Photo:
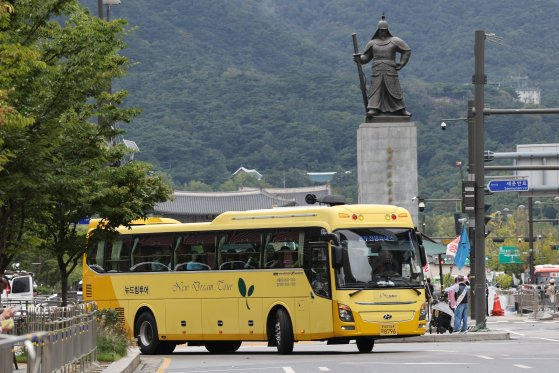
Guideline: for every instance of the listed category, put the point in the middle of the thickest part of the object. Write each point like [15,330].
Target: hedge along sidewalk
[127,364]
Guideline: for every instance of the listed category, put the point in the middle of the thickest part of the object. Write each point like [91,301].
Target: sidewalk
[126,364]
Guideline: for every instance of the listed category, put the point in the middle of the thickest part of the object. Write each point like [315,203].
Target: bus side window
[195,252]
[316,264]
[96,256]
[282,249]
[152,253]
[119,260]
[241,250]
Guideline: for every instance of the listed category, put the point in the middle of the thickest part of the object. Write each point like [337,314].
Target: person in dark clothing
[429,289]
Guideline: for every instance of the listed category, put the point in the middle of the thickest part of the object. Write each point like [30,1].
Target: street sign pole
[479,80]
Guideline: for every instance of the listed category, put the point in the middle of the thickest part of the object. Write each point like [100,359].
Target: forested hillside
[271,84]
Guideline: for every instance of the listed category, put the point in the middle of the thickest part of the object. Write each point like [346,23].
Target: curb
[126,364]
[469,337]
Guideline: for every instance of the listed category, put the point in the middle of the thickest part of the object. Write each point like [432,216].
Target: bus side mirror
[337,250]
[422,255]
[331,237]
[337,256]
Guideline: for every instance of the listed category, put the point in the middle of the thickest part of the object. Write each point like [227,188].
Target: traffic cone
[497,309]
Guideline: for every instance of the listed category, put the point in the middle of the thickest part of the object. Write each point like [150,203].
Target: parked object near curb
[497,309]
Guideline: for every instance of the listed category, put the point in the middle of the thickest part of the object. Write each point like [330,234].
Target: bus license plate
[388,329]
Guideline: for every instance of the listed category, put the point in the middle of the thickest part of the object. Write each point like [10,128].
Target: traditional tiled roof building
[205,206]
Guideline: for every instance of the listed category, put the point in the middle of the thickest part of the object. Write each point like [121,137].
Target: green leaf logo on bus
[243,290]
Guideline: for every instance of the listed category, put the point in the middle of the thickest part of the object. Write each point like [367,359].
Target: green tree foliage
[60,164]
[504,281]
[270,84]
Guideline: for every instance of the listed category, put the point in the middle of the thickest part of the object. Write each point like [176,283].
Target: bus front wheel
[365,344]
[283,332]
[222,347]
[146,330]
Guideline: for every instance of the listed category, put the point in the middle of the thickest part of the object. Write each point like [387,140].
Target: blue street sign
[84,221]
[508,185]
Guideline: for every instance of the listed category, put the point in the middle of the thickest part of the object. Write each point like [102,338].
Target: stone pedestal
[387,164]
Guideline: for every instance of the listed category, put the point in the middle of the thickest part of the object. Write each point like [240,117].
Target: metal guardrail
[535,302]
[7,343]
[63,338]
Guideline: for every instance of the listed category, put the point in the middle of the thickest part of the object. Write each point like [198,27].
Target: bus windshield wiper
[407,283]
[368,285]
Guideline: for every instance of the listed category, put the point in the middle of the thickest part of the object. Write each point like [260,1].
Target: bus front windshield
[379,257]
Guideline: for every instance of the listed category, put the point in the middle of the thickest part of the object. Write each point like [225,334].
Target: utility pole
[479,111]
[531,238]
[471,177]
[479,80]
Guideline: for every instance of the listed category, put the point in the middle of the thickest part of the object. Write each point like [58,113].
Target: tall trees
[59,166]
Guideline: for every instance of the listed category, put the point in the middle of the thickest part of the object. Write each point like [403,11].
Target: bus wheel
[166,348]
[222,347]
[365,344]
[283,331]
[146,330]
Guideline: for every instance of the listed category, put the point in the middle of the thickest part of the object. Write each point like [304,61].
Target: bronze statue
[385,96]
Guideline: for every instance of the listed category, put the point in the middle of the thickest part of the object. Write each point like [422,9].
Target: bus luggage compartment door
[220,317]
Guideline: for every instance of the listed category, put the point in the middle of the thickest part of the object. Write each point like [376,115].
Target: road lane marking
[530,358]
[510,331]
[401,363]
[233,370]
[324,369]
[547,339]
[522,366]
[164,365]
[484,357]
[288,370]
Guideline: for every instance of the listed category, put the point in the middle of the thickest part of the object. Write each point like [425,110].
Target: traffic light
[487,218]
[457,223]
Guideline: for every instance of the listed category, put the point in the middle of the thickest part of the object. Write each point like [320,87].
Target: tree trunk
[63,280]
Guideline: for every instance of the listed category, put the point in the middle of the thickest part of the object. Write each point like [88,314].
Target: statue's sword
[360,72]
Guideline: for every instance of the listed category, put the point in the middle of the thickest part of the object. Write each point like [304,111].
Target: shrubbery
[112,341]
[504,281]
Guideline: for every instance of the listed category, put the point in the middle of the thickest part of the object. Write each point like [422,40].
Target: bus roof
[546,268]
[329,217]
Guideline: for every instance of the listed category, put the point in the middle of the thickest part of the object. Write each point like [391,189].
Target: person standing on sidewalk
[460,290]
[550,292]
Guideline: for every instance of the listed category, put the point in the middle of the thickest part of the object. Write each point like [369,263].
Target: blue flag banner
[463,251]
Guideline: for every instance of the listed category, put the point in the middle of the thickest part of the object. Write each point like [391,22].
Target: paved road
[534,347]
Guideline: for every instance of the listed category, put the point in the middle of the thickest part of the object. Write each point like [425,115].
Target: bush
[504,281]
[112,341]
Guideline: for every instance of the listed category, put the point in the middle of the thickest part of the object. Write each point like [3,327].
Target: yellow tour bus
[331,272]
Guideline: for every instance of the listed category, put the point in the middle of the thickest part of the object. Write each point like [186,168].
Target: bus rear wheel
[365,344]
[146,330]
[283,332]
[222,347]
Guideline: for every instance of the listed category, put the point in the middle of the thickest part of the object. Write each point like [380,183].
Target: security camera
[519,239]
[421,206]
[443,126]
[539,236]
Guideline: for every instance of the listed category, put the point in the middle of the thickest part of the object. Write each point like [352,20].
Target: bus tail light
[345,313]
[423,312]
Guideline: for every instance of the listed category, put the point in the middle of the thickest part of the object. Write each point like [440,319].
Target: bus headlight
[345,313]
[423,312]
